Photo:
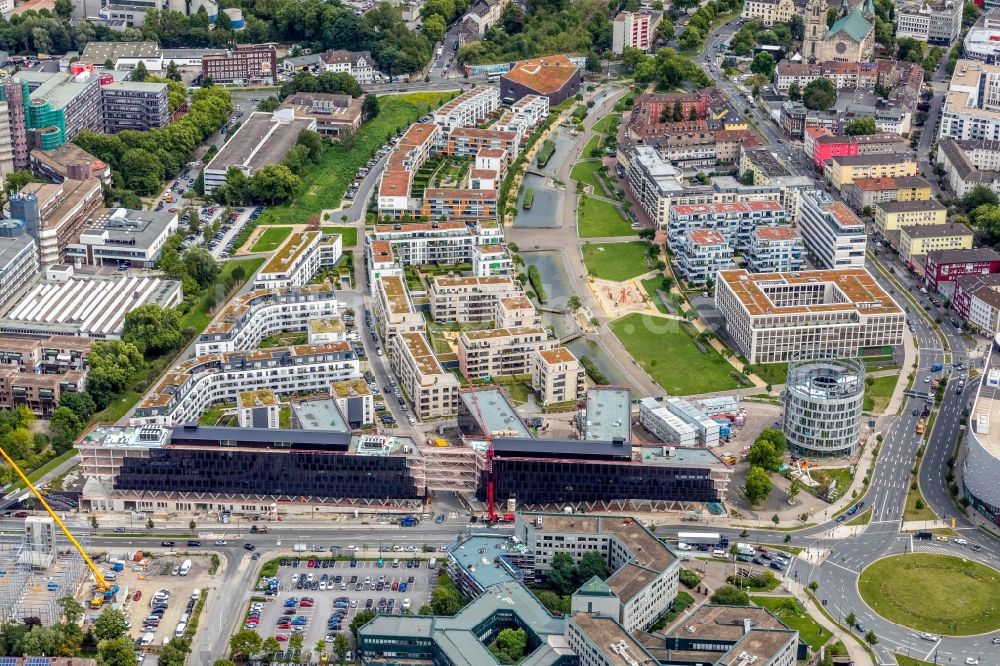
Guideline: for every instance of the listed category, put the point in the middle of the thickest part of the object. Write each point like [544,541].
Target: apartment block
[735,221]
[773,316]
[976,300]
[184,394]
[501,352]
[831,232]
[469,299]
[891,215]
[867,192]
[359,64]
[971,108]
[447,242]
[968,164]
[844,170]
[557,376]
[828,145]
[468,109]
[937,23]
[242,65]
[515,312]
[776,249]
[701,254]
[769,12]
[943,267]
[251,317]
[491,261]
[394,313]
[632,30]
[134,105]
[432,390]
[469,141]
[459,204]
[55,214]
[924,238]
[298,259]
[39,393]
[56,354]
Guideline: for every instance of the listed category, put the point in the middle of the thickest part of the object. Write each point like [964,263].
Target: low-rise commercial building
[557,376]
[432,389]
[263,139]
[701,253]
[919,240]
[943,267]
[772,316]
[727,635]
[122,237]
[938,23]
[184,394]
[251,317]
[982,41]
[298,259]
[844,170]
[334,114]
[831,232]
[776,249]
[242,65]
[892,215]
[501,352]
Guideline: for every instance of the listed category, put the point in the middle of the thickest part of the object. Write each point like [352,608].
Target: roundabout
[940,594]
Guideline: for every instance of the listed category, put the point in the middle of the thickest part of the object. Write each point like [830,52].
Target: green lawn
[595,142]
[942,594]
[606,124]
[200,316]
[651,285]
[597,219]
[586,173]
[350,234]
[325,184]
[911,512]
[863,519]
[877,394]
[271,239]
[794,615]
[903,660]
[772,373]
[670,356]
[616,261]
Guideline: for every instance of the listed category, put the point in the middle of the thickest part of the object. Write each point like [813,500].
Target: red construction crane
[491,512]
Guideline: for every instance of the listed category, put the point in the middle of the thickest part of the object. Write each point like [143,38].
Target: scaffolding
[31,585]
[453,468]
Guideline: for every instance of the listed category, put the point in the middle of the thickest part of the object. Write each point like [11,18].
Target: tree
[871,638]
[552,602]
[110,624]
[562,577]
[201,265]
[173,73]
[434,28]
[139,73]
[370,107]
[80,403]
[223,662]
[666,30]
[757,485]
[65,426]
[978,196]
[851,619]
[340,649]
[64,9]
[273,184]
[819,94]
[295,642]
[271,645]
[831,16]
[794,92]
[510,645]
[768,449]
[16,180]
[859,126]
[113,364]
[763,64]
[678,114]
[245,643]
[70,610]
[727,595]
[592,564]
[153,329]
[573,303]
[116,652]
[362,618]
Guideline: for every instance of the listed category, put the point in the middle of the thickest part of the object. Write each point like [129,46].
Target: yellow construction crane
[101,586]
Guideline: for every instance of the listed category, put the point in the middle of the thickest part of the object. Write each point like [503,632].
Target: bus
[493,76]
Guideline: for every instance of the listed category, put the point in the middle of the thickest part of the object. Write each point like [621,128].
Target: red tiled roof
[544,75]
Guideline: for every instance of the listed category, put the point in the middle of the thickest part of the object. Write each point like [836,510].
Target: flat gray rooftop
[608,414]
[477,555]
[261,141]
[319,415]
[497,413]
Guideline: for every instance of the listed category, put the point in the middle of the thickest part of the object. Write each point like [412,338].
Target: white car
[960,542]
[683,546]
[972,661]
[929,637]
[220,542]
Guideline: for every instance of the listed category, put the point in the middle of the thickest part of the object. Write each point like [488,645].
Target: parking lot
[308,611]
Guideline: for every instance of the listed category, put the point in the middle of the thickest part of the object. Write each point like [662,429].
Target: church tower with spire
[815,30]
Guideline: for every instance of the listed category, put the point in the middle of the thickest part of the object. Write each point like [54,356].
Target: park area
[323,187]
[600,219]
[791,612]
[943,594]
[878,391]
[671,357]
[616,261]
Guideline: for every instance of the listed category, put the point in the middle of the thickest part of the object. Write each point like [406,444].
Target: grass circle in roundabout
[938,594]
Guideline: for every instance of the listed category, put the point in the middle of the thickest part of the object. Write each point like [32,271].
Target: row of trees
[16,438]
[667,67]
[700,23]
[766,455]
[140,161]
[247,643]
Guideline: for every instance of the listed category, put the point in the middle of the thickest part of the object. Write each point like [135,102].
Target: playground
[619,298]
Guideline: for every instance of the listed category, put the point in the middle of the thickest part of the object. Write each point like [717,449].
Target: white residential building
[359,64]
[393,310]
[557,376]
[298,260]
[184,394]
[432,389]
[937,23]
[251,317]
[735,221]
[447,242]
[971,108]
[632,30]
[468,109]
[775,250]
[501,352]
[701,254]
[773,316]
[832,232]
[469,299]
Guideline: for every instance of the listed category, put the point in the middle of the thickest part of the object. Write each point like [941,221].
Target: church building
[851,38]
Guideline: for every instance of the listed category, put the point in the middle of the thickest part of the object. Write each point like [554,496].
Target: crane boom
[99,582]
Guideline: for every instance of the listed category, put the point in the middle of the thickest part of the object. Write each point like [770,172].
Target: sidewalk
[909,358]
[858,654]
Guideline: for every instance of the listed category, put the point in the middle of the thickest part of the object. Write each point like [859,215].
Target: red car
[284,626]
[310,564]
[305,604]
[395,586]
[137,595]
[281,638]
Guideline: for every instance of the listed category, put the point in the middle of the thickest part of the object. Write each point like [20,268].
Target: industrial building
[182,396]
[51,307]
[821,412]
[770,317]
[251,317]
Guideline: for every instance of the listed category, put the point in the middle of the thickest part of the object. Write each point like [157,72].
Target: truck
[702,539]
[300,547]
[921,424]
[258,529]
[745,549]
[185,568]
[936,367]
